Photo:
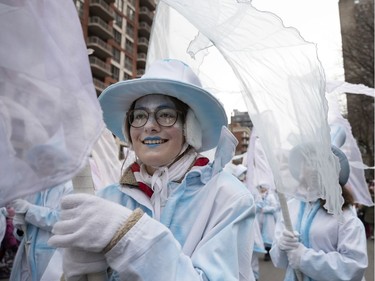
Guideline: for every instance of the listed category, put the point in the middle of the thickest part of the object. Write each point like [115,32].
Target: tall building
[117,32]
[240,126]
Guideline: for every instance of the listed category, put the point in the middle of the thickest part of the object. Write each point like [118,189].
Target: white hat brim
[117,98]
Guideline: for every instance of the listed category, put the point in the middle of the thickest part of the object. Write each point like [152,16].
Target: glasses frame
[128,114]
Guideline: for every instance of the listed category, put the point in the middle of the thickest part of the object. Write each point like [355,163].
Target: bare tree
[358,53]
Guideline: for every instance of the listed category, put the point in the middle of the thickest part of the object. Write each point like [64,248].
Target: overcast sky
[318,21]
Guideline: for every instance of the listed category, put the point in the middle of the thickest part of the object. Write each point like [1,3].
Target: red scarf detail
[202,161]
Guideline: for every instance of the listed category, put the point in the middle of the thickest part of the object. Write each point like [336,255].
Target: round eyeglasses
[165,117]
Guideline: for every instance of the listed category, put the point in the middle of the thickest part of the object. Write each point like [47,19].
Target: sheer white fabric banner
[278,74]
[49,113]
[104,161]
[357,181]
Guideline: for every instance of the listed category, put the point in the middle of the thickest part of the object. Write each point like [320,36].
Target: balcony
[147,3]
[146,15]
[141,60]
[99,68]
[101,49]
[144,29]
[99,86]
[143,44]
[100,28]
[102,9]
[140,72]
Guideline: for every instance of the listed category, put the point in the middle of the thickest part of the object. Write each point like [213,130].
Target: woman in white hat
[176,216]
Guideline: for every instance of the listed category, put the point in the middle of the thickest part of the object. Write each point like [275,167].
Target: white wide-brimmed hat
[172,78]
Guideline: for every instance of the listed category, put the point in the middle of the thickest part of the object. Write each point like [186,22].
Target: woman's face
[156,145]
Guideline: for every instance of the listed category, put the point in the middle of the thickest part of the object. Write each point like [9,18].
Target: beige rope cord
[131,221]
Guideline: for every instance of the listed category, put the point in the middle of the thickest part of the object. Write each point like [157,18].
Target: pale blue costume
[334,250]
[205,231]
[198,219]
[329,247]
[268,212]
[40,218]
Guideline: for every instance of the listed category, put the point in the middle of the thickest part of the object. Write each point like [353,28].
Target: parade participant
[9,244]
[268,212]
[35,216]
[173,215]
[240,172]
[323,247]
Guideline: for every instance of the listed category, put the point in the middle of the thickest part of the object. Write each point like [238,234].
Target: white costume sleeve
[337,250]
[348,262]
[149,251]
[46,216]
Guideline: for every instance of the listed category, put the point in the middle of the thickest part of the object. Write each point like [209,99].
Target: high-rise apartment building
[118,32]
[240,126]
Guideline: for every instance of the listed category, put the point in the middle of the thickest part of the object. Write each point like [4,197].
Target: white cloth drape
[357,181]
[278,73]
[49,113]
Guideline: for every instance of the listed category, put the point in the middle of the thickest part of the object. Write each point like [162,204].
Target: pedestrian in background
[34,218]
[240,171]
[268,212]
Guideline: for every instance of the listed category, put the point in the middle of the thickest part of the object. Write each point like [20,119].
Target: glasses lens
[166,117]
[138,118]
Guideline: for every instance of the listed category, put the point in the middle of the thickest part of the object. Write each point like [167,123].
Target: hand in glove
[294,256]
[19,221]
[20,206]
[288,240]
[77,262]
[87,222]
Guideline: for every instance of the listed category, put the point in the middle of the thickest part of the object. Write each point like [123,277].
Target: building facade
[117,33]
[240,126]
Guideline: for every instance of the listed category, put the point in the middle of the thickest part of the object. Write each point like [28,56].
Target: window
[128,63]
[117,37]
[79,7]
[130,30]
[127,76]
[129,46]
[130,13]
[118,20]
[115,73]
[116,55]
[120,5]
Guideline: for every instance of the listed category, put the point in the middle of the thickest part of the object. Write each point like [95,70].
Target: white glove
[87,222]
[288,240]
[19,221]
[77,262]
[20,206]
[294,256]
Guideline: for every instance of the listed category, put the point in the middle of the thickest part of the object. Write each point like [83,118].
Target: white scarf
[158,182]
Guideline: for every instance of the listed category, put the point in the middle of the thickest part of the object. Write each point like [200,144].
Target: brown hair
[348,198]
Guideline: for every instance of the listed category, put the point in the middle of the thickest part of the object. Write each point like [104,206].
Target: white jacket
[204,233]
[337,249]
